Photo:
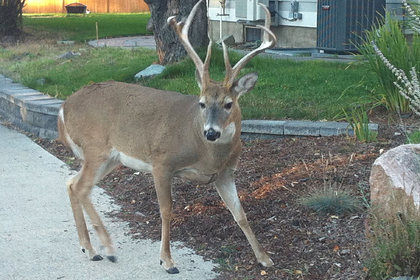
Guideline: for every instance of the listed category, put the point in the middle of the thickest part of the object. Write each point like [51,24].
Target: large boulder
[395,179]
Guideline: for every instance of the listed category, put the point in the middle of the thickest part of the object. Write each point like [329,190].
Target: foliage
[331,200]
[390,39]
[11,17]
[83,28]
[414,137]
[394,240]
[359,121]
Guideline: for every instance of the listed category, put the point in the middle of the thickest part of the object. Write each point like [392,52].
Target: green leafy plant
[359,121]
[413,137]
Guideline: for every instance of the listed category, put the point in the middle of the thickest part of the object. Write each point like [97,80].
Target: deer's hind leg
[79,188]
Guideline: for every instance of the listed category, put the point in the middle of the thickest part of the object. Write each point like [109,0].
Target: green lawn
[311,90]
[83,28]
[61,77]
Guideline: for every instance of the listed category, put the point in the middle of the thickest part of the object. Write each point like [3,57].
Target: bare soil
[271,177]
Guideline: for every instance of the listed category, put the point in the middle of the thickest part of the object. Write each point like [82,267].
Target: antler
[181,29]
[269,41]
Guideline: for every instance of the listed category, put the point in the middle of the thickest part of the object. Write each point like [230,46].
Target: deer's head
[219,100]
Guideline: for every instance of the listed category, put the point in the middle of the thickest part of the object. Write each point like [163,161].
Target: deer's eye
[228,105]
[202,105]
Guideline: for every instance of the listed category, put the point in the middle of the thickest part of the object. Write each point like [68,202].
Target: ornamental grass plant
[389,37]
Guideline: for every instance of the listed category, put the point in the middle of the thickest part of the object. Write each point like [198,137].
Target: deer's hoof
[267,263]
[172,270]
[97,258]
[112,258]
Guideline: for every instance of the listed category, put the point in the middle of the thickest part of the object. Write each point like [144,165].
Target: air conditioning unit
[341,23]
[250,10]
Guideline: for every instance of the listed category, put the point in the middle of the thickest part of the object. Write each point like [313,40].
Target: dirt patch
[271,176]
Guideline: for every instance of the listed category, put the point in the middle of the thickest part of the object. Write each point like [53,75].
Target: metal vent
[341,23]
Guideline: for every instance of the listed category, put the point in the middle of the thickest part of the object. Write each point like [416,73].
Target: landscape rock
[65,42]
[41,81]
[68,55]
[396,175]
[152,70]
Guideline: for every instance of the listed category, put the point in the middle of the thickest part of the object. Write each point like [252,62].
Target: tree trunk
[11,17]
[168,47]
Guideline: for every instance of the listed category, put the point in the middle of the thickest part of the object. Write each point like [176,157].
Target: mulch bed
[271,177]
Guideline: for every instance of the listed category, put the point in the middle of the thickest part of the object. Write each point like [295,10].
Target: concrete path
[38,238]
[126,42]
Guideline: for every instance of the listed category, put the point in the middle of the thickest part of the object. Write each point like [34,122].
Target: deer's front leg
[226,188]
[163,190]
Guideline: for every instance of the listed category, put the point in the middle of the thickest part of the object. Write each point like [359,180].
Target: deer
[165,133]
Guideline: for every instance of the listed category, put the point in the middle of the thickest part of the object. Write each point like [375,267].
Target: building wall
[95,6]
[299,33]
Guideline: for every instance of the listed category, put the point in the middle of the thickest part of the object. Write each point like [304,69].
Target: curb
[29,109]
[37,113]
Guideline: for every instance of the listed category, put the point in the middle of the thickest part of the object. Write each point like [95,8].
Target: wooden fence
[94,6]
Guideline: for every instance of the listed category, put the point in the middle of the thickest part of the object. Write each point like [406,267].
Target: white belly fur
[134,163]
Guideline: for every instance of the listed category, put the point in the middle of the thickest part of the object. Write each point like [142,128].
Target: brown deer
[165,133]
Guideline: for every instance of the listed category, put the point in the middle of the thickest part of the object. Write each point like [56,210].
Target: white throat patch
[227,134]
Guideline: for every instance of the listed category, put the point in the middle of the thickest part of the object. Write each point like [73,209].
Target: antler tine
[269,41]
[181,30]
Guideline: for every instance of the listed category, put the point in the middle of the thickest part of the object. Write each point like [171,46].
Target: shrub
[389,37]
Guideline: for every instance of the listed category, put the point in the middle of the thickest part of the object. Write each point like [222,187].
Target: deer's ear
[245,84]
[198,79]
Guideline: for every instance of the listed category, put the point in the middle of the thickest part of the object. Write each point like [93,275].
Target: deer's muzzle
[211,134]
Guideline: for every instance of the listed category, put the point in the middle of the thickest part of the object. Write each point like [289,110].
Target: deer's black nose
[211,134]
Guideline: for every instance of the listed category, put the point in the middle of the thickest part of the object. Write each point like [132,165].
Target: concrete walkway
[126,42]
[38,238]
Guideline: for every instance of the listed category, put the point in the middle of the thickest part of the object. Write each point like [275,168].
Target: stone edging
[29,109]
[37,113]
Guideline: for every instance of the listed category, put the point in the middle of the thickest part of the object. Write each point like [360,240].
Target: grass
[310,90]
[359,121]
[83,28]
[286,89]
[394,239]
[62,77]
[414,137]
